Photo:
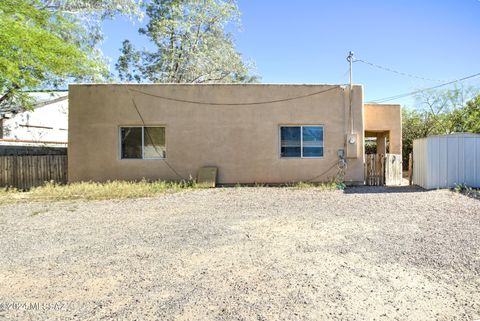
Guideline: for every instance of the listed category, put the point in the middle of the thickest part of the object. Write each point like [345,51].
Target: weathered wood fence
[24,172]
[374,169]
[383,169]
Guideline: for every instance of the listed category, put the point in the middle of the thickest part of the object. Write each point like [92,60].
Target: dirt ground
[244,254]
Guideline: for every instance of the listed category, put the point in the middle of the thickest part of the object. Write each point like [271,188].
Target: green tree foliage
[33,48]
[44,43]
[439,113]
[473,115]
[191,44]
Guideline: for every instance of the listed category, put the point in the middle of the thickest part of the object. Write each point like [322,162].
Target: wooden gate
[393,169]
[383,169]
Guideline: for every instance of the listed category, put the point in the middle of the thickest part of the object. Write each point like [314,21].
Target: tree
[415,124]
[191,45]
[440,112]
[467,119]
[34,50]
[44,43]
[88,14]
[446,108]
[97,9]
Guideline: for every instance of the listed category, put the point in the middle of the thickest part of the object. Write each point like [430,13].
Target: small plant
[467,190]
[340,185]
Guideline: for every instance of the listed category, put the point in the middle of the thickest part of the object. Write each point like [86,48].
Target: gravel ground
[245,254]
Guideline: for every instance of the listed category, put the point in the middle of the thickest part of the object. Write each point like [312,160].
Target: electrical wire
[382,100]
[150,137]
[235,104]
[336,164]
[396,71]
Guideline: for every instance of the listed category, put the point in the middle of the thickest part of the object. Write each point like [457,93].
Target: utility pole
[350,60]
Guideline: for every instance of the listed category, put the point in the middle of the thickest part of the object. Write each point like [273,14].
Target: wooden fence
[374,169]
[383,169]
[24,172]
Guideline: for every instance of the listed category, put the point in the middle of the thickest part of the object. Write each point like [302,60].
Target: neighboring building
[446,161]
[47,123]
[253,133]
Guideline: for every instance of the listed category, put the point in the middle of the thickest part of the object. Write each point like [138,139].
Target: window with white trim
[301,141]
[142,142]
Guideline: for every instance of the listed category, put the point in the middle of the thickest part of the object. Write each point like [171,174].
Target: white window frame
[301,141]
[143,142]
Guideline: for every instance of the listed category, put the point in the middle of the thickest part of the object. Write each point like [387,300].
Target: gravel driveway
[244,254]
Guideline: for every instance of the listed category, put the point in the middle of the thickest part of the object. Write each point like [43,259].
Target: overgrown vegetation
[128,189]
[438,113]
[97,191]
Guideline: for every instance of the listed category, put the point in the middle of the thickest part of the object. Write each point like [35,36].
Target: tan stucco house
[253,133]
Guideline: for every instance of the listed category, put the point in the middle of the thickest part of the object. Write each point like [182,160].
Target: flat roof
[206,84]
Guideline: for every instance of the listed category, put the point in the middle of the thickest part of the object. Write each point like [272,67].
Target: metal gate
[383,169]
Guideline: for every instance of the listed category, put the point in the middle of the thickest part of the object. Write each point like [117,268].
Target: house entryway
[381,166]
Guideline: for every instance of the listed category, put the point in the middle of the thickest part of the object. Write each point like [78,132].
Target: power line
[235,104]
[382,100]
[155,147]
[396,71]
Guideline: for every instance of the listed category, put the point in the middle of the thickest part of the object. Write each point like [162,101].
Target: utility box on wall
[446,161]
[352,146]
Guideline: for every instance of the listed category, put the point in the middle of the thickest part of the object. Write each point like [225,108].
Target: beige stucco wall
[385,118]
[242,141]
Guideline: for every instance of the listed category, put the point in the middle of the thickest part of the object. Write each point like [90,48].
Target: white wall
[54,116]
[446,161]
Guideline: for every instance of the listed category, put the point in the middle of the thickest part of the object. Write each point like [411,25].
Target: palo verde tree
[445,109]
[190,45]
[440,112]
[44,43]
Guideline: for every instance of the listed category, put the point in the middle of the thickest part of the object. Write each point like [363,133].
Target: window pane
[154,141]
[290,144]
[312,151]
[131,138]
[312,141]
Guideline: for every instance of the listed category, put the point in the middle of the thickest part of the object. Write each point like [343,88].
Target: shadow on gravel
[383,189]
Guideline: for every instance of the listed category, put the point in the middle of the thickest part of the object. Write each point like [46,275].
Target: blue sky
[307,41]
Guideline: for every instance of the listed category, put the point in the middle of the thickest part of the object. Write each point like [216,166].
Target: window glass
[312,141]
[290,141]
[131,141]
[154,142]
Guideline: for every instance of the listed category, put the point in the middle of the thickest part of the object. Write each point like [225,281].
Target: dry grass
[124,190]
[96,191]
[327,186]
